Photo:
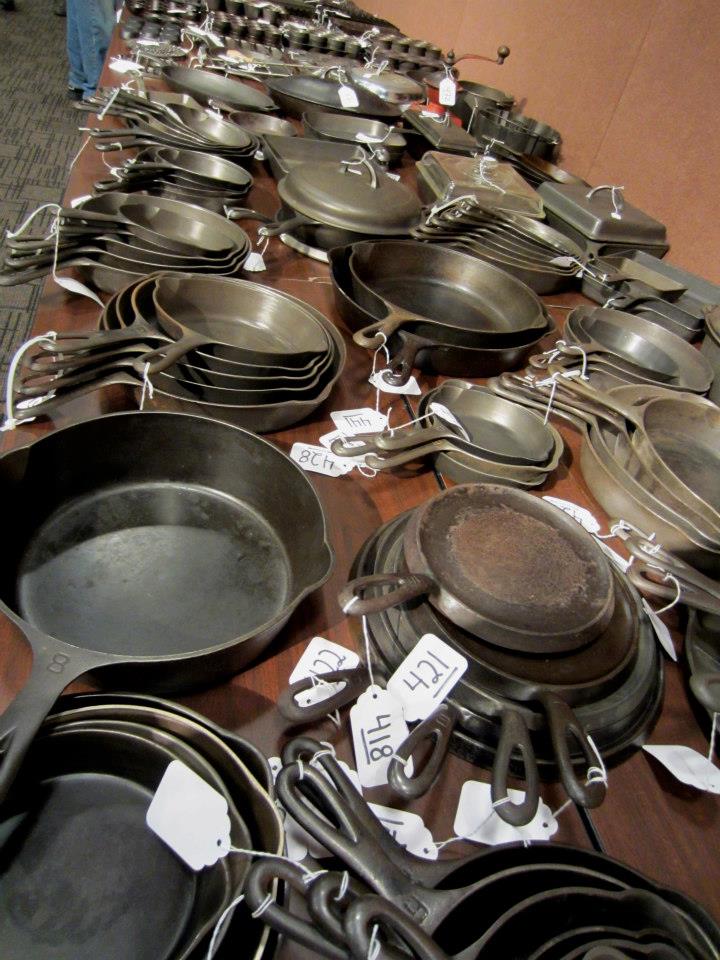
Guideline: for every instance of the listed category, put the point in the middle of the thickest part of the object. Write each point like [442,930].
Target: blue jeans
[89,26]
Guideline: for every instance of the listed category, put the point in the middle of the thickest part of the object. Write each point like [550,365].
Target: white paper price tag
[661,631]
[477,820]
[583,516]
[410,388]
[78,200]
[688,766]
[441,411]
[393,176]
[620,562]
[447,92]
[348,97]
[254,263]
[366,138]
[319,460]
[259,155]
[426,676]
[347,770]
[322,656]
[74,286]
[123,65]
[190,816]
[563,261]
[407,829]
[378,728]
[362,420]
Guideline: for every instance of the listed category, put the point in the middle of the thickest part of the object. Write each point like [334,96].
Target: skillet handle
[436,729]
[515,735]
[159,359]
[245,213]
[84,341]
[563,723]
[366,912]
[258,887]
[370,337]
[273,229]
[304,791]
[354,682]
[52,404]
[55,665]
[406,587]
[409,455]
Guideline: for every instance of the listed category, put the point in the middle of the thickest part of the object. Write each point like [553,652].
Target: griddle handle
[564,724]
[405,587]
[435,729]
[354,681]
[515,735]
[55,665]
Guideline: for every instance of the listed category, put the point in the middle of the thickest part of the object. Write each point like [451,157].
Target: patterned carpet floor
[38,141]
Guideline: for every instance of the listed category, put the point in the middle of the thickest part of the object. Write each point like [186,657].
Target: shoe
[59,8]
[74,93]
[8,5]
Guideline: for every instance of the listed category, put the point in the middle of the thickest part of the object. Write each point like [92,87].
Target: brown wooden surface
[648,819]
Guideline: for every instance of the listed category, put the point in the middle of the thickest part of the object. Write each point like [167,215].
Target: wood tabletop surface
[649,819]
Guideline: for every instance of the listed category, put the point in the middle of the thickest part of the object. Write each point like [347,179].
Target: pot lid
[387,84]
[601,213]
[351,196]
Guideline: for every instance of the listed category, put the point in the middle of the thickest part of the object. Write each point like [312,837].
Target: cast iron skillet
[436,351]
[476,549]
[82,874]
[175,500]
[207,88]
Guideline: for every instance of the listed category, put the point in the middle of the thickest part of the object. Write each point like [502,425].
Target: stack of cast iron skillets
[117,238]
[540,902]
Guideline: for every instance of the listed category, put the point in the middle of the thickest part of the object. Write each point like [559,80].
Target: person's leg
[95,20]
[76,74]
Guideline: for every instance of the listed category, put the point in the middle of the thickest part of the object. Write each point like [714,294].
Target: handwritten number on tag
[426,676]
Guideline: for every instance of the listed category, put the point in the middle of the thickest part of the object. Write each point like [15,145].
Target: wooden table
[657,825]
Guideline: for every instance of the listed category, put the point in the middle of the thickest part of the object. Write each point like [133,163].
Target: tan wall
[632,85]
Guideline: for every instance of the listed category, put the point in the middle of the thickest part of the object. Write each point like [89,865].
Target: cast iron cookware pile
[510,903]
[230,349]
[83,876]
[563,673]
[547,625]
[116,237]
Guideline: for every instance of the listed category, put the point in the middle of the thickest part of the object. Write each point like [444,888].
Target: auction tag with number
[583,516]
[362,420]
[477,820]
[348,97]
[319,460]
[447,92]
[661,631]
[378,729]
[442,412]
[190,816]
[411,388]
[322,656]
[426,676]
[407,829]
[687,765]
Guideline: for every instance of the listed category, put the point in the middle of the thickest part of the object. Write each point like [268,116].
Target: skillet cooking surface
[165,556]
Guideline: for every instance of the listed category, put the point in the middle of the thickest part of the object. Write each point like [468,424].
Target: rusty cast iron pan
[482,554]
